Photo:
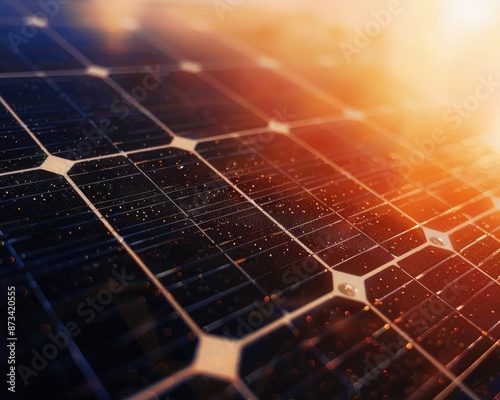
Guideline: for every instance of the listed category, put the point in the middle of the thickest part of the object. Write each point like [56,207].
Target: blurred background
[441,49]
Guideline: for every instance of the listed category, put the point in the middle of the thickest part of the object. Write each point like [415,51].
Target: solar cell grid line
[99,72]
[173,52]
[233,247]
[346,173]
[478,152]
[95,129]
[471,234]
[64,298]
[451,219]
[444,190]
[400,317]
[235,96]
[433,160]
[40,74]
[450,355]
[362,86]
[238,45]
[167,295]
[78,178]
[480,204]
[430,357]
[190,106]
[430,252]
[262,59]
[138,152]
[398,258]
[19,151]
[12,114]
[67,377]
[70,48]
[88,63]
[479,333]
[382,270]
[484,184]
[479,196]
[489,222]
[262,210]
[332,361]
[240,99]
[210,158]
[482,363]
[108,226]
[260,351]
[429,280]
[287,174]
[489,255]
[73,349]
[461,212]
[30,57]
[271,93]
[421,197]
[52,34]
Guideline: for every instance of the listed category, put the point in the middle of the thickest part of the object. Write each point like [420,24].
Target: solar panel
[186,217]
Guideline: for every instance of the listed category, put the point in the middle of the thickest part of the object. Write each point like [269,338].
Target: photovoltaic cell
[123,48]
[88,283]
[316,357]
[276,96]
[261,171]
[81,117]
[203,195]
[189,106]
[62,377]
[155,214]
[19,150]
[28,48]
[202,387]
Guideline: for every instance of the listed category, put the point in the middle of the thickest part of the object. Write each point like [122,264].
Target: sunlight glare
[468,15]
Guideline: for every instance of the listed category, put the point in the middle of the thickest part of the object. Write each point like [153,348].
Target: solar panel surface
[183,218]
